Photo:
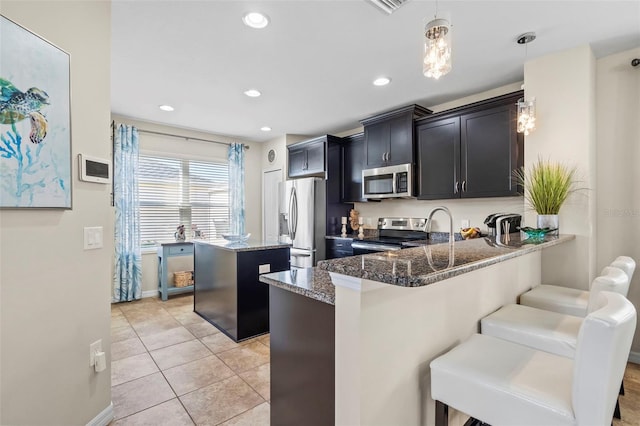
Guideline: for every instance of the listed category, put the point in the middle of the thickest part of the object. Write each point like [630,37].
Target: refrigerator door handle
[290,221]
[295,212]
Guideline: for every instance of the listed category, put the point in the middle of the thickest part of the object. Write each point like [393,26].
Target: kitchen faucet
[427,226]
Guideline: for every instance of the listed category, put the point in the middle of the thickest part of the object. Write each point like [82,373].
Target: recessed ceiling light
[252,93]
[166,107]
[255,20]
[381,81]
[265,128]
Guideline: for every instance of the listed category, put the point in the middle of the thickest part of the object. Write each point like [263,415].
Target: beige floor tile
[142,316]
[115,309]
[265,340]
[170,413]
[119,321]
[246,357]
[259,379]
[179,354]
[219,343]
[167,338]
[122,333]
[220,401]
[140,394]
[134,367]
[148,304]
[257,416]
[126,348]
[201,329]
[197,374]
[155,326]
[186,318]
[178,300]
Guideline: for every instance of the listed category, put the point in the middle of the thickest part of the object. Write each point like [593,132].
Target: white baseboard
[103,418]
[634,357]
[150,293]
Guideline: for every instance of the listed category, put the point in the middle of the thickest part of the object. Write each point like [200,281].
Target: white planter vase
[549,221]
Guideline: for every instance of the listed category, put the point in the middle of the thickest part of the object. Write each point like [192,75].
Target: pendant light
[437,47]
[526,108]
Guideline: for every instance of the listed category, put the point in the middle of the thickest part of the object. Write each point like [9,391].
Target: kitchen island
[394,312]
[227,292]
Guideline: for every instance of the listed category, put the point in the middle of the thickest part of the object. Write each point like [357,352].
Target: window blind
[176,191]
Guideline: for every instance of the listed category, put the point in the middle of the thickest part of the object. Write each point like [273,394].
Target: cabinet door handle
[388,155]
[464,186]
[383,154]
[455,187]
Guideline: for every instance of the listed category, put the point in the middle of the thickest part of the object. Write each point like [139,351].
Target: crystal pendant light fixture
[437,48]
[526,108]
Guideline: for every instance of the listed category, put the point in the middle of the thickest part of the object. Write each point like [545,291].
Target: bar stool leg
[616,412]
[442,414]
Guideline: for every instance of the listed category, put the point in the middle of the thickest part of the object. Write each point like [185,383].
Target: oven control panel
[402,223]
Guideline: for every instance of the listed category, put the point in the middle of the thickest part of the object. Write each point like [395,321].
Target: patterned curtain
[127,278]
[236,188]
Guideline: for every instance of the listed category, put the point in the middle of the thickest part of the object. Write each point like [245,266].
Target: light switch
[264,269]
[92,237]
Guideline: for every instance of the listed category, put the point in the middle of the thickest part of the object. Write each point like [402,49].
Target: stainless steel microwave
[388,182]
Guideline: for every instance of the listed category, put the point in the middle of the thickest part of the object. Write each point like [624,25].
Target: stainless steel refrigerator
[302,219]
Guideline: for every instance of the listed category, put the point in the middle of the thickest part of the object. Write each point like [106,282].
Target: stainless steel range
[392,232]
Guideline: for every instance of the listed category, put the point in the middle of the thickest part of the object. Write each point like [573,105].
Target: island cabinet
[388,137]
[309,158]
[228,292]
[470,152]
[352,162]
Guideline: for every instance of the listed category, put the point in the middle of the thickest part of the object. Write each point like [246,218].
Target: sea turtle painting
[15,106]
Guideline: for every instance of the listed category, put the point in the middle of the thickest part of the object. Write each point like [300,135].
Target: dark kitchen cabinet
[388,137]
[307,158]
[352,163]
[338,247]
[470,152]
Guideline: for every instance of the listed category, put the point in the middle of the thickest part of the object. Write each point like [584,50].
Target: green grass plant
[547,184]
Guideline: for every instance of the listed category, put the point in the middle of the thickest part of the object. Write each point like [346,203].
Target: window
[176,191]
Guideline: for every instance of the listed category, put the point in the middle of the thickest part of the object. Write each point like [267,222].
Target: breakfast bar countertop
[310,282]
[419,266]
[249,245]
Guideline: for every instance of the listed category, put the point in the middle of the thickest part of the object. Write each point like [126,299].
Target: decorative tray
[236,238]
[536,233]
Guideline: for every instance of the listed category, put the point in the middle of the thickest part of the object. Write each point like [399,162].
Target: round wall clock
[271,156]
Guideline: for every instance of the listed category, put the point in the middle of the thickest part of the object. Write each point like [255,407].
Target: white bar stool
[503,383]
[566,300]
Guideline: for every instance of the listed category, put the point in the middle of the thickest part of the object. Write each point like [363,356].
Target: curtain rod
[186,137]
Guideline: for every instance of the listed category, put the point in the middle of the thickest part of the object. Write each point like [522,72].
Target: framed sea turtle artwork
[35,121]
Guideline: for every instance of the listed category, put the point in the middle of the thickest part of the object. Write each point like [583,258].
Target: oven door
[360,247]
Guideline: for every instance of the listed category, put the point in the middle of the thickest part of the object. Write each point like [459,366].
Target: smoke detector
[388,6]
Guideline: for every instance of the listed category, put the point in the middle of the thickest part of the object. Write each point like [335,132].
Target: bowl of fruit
[468,233]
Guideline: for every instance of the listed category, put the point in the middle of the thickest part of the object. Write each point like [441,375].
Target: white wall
[54,297]
[198,149]
[618,152]
[563,85]
[475,210]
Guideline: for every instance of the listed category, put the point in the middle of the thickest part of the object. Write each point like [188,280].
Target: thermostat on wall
[92,169]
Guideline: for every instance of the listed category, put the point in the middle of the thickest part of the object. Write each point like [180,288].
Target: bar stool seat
[504,383]
[566,300]
[546,330]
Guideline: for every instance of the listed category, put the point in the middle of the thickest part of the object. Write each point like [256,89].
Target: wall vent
[388,6]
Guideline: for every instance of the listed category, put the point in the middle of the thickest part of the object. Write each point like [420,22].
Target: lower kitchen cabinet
[338,247]
[470,152]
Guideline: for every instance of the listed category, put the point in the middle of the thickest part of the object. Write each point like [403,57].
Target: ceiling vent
[388,6]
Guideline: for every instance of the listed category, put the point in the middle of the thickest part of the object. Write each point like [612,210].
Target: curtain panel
[236,188]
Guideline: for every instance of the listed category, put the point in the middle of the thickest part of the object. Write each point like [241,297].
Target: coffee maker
[503,223]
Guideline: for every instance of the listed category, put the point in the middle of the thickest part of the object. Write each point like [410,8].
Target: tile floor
[171,367]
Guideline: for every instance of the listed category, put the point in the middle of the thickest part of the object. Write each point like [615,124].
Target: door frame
[282,179]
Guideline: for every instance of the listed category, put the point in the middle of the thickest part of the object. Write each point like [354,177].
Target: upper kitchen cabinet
[308,158]
[471,151]
[388,137]
[352,163]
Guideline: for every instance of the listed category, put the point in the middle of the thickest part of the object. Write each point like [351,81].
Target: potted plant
[547,184]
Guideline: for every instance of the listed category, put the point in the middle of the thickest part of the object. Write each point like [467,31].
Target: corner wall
[563,85]
[54,295]
[618,152]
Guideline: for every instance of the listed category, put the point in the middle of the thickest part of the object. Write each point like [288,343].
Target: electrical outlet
[93,348]
[464,223]
[264,269]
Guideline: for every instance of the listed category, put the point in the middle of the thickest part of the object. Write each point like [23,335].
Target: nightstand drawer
[177,250]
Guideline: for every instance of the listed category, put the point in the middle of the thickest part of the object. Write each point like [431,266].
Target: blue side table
[165,251]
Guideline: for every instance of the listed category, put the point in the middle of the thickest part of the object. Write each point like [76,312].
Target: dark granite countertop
[414,267]
[311,282]
[250,245]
